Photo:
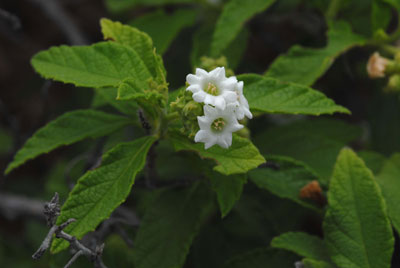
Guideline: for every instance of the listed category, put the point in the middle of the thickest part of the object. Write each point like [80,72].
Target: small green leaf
[373,160]
[310,263]
[357,229]
[286,181]
[314,142]
[164,33]
[241,157]
[98,192]
[262,258]
[109,96]
[131,89]
[234,14]
[228,189]
[388,180]
[69,128]
[100,65]
[305,65]
[170,225]
[273,96]
[302,244]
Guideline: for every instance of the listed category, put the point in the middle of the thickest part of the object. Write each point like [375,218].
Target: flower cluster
[224,104]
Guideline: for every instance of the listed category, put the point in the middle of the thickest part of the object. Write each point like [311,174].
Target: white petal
[221,74]
[192,79]
[228,84]
[204,122]
[216,72]
[230,96]
[193,88]
[201,136]
[239,113]
[235,127]
[209,99]
[209,112]
[199,96]
[201,72]
[220,102]
[239,87]
[212,140]
[248,114]
[222,140]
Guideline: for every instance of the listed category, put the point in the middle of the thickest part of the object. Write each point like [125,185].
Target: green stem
[333,9]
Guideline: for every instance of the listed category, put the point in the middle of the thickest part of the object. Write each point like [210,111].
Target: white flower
[242,106]
[212,88]
[217,126]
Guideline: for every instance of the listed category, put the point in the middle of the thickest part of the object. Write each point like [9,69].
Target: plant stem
[333,9]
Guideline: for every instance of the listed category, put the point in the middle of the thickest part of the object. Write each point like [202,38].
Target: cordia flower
[212,88]
[217,126]
[242,106]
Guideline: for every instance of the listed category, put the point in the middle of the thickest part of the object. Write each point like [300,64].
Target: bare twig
[13,206]
[14,20]
[52,211]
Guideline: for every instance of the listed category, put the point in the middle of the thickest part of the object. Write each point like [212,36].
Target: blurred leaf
[273,96]
[356,227]
[6,141]
[123,5]
[140,42]
[305,65]
[164,27]
[170,225]
[69,128]
[310,263]
[389,182]
[373,160]
[234,14]
[302,244]
[261,258]
[99,65]
[286,181]
[380,15]
[228,189]
[102,190]
[109,96]
[117,253]
[241,157]
[314,142]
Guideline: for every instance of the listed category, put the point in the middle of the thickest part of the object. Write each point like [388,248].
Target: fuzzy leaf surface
[228,189]
[305,65]
[285,182]
[108,95]
[270,95]
[98,192]
[389,182]
[164,33]
[170,225]
[69,128]
[356,227]
[234,14]
[99,65]
[302,244]
[241,157]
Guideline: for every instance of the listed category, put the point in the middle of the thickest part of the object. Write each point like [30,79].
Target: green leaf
[109,96]
[162,33]
[234,14]
[380,15]
[170,225]
[273,96]
[356,227]
[310,263]
[286,181]
[373,160]
[131,89]
[388,180]
[241,157]
[262,258]
[99,65]
[228,189]
[116,6]
[100,191]
[302,244]
[314,142]
[305,65]
[139,41]
[67,129]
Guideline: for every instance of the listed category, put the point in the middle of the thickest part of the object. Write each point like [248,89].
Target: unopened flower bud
[376,66]
[313,191]
[393,83]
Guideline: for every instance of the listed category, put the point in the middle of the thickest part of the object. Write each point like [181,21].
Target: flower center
[218,125]
[212,89]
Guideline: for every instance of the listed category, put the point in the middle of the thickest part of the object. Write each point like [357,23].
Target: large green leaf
[285,181]
[310,263]
[170,225]
[99,65]
[234,14]
[67,129]
[241,157]
[357,229]
[302,244]
[262,258]
[389,182]
[163,27]
[314,142]
[123,5]
[305,65]
[108,95]
[273,96]
[100,191]
[138,41]
[228,189]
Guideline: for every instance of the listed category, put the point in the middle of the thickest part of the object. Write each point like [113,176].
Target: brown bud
[313,191]
[376,66]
